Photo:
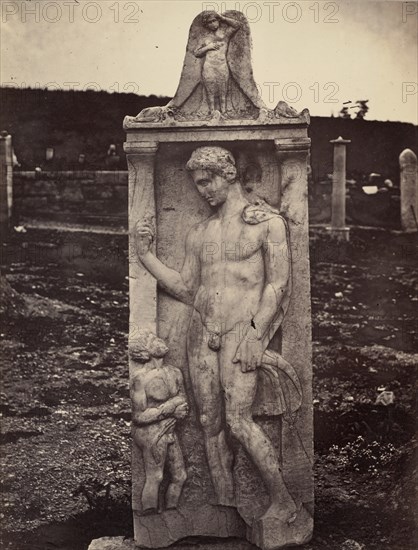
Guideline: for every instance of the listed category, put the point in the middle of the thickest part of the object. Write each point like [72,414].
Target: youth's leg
[204,375]
[240,389]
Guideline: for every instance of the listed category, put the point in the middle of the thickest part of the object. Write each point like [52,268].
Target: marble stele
[220,322]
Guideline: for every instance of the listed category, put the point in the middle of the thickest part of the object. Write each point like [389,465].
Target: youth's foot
[215,115]
[226,502]
[226,499]
[286,512]
[149,511]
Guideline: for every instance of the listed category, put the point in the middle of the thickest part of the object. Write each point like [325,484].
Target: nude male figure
[228,290]
[158,402]
[215,70]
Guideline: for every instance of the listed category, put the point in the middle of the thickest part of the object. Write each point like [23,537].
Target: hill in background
[75,122]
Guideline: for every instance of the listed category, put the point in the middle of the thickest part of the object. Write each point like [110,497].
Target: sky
[314,54]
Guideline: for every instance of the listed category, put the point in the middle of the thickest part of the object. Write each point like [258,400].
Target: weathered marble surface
[163,117]
[158,403]
[409,190]
[278,162]
[219,271]
[338,228]
[217,82]
[161,530]
[112,543]
[271,533]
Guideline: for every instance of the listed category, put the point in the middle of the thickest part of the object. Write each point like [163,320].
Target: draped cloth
[279,388]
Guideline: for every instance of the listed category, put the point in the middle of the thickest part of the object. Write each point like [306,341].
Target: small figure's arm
[233,24]
[142,414]
[202,50]
[183,409]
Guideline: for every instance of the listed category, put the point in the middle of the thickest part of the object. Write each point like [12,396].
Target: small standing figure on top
[215,70]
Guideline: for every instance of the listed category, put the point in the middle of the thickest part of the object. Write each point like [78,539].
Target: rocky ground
[65,435]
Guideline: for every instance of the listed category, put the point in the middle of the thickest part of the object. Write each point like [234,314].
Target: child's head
[210,20]
[147,345]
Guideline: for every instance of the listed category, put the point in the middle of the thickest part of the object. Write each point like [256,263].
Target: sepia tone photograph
[208,274]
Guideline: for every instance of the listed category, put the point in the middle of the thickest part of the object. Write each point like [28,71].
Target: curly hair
[217,160]
[208,15]
[147,345]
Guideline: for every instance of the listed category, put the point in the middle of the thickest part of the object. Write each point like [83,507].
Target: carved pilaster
[142,286]
[292,158]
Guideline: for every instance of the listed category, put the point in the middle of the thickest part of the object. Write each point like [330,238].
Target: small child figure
[158,402]
[213,51]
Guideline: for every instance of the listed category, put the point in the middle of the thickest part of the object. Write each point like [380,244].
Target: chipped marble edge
[112,543]
[130,122]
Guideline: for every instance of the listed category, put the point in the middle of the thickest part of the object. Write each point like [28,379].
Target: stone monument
[338,228]
[6,180]
[220,323]
[409,190]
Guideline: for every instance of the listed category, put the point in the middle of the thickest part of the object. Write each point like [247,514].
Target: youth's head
[213,171]
[146,346]
[210,20]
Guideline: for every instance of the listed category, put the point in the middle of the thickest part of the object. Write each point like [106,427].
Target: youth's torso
[232,271]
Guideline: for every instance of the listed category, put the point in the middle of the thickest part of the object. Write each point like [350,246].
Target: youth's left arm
[276,257]
[277,271]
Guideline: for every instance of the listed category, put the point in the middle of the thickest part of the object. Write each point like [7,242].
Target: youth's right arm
[181,285]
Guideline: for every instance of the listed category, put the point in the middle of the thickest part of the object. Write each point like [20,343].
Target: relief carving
[248,440]
[158,403]
[217,72]
[237,276]
[213,51]
[217,83]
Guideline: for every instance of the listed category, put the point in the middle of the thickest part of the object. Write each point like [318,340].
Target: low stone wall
[94,197]
[379,210]
[101,198]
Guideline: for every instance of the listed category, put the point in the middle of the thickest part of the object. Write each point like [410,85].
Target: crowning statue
[217,79]
[217,72]
[236,353]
